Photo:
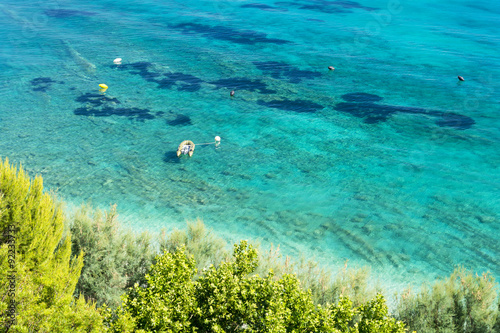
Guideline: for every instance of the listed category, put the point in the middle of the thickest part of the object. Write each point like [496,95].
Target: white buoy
[118,61]
[217,138]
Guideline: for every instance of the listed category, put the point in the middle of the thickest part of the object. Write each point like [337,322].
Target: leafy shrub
[464,302]
[230,298]
[115,259]
[198,241]
[326,287]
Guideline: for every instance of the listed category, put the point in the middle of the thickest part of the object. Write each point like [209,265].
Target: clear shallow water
[389,160]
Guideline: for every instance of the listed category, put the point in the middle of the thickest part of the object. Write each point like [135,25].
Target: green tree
[230,298]
[375,318]
[45,272]
[168,302]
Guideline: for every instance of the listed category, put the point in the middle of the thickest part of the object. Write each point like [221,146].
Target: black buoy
[232,93]
[461,78]
[331,68]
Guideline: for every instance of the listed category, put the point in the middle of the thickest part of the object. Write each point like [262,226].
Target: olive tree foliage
[230,298]
[38,274]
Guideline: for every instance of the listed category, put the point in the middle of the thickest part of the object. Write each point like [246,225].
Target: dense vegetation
[45,272]
[228,298]
[84,273]
[115,259]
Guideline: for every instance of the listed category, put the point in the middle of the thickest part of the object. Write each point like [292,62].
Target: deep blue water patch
[107,111]
[181,81]
[297,105]
[325,9]
[361,97]
[317,7]
[184,82]
[326,6]
[96,99]
[284,71]
[140,68]
[64,13]
[454,120]
[265,7]
[99,105]
[240,83]
[180,120]
[349,4]
[362,105]
[372,113]
[247,37]
[43,83]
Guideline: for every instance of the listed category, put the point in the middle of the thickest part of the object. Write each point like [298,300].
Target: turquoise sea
[388,160]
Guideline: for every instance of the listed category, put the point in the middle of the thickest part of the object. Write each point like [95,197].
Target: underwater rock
[240,83]
[456,121]
[298,105]
[182,81]
[43,83]
[131,113]
[284,71]
[485,219]
[98,105]
[371,112]
[316,6]
[42,80]
[349,4]
[329,226]
[327,6]
[368,229]
[188,82]
[246,37]
[325,9]
[265,7]
[140,68]
[180,120]
[96,99]
[361,97]
[362,105]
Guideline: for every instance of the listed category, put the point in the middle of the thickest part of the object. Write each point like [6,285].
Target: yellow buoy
[103,86]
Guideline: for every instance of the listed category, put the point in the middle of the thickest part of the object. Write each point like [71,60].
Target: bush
[230,298]
[464,302]
[198,241]
[326,287]
[115,259]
